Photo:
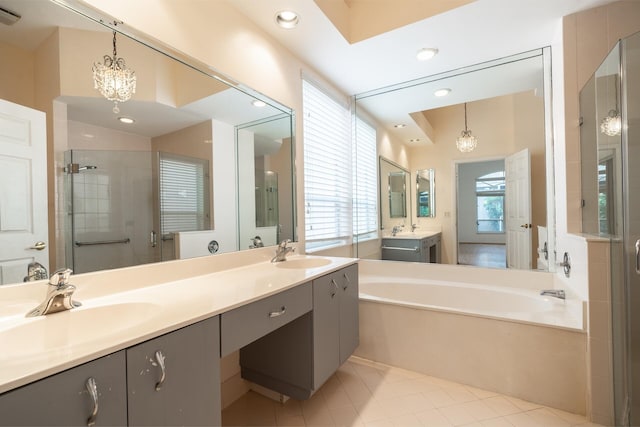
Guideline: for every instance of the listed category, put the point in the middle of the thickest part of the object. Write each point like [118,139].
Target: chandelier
[113,79]
[466,142]
[612,124]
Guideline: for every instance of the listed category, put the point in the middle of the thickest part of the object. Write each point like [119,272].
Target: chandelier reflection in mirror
[466,142]
[612,124]
[113,79]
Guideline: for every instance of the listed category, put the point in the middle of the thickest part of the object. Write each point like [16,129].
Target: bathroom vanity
[294,323]
[413,247]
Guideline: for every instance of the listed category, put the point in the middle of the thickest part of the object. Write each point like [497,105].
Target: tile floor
[364,393]
[481,255]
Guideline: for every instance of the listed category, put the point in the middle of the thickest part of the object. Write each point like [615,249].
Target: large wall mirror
[395,201]
[192,164]
[506,104]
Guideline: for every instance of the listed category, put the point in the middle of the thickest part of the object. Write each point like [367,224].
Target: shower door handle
[638,256]
[154,239]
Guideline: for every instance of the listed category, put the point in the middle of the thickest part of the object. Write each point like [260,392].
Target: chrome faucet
[59,293]
[35,271]
[413,227]
[282,250]
[396,229]
[256,242]
[556,293]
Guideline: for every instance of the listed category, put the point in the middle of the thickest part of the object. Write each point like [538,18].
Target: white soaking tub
[488,329]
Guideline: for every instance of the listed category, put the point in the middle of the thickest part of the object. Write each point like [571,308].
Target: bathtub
[487,329]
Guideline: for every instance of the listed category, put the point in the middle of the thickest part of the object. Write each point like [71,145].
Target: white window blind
[184,194]
[327,169]
[365,179]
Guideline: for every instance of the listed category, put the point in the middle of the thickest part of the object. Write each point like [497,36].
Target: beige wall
[587,39]
[503,126]
[20,72]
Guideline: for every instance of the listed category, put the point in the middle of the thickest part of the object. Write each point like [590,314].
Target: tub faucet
[59,292]
[282,250]
[556,293]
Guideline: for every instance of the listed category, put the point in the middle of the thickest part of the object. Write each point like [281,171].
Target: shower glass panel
[630,244]
[111,222]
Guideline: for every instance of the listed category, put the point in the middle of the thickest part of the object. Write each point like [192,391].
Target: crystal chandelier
[113,79]
[466,142]
[612,124]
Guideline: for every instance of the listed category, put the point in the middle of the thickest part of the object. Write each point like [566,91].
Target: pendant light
[466,142]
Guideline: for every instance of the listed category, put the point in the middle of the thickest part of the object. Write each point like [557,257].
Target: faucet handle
[60,277]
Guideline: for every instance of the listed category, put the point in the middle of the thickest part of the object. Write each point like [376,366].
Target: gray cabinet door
[190,392]
[349,319]
[326,324]
[63,399]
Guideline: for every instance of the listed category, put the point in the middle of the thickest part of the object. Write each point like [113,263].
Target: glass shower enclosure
[610,154]
[110,209]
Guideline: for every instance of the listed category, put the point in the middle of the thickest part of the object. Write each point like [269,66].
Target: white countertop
[412,235]
[122,311]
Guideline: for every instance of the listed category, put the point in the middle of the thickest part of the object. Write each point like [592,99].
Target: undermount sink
[302,263]
[55,332]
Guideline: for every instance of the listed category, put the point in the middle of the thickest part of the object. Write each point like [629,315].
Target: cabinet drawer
[245,324]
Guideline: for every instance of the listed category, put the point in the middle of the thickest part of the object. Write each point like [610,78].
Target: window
[335,208]
[365,179]
[490,202]
[184,193]
[327,169]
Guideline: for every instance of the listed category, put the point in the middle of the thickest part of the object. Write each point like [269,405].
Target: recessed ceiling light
[442,92]
[399,126]
[258,103]
[287,19]
[426,53]
[126,120]
[414,140]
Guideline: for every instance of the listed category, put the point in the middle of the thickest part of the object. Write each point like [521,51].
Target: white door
[518,209]
[23,191]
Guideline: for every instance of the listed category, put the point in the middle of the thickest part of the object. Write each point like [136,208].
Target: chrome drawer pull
[278,313]
[638,256]
[163,376]
[92,388]
[335,288]
[347,282]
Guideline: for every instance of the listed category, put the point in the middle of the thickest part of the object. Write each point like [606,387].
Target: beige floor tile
[409,420]
[290,420]
[357,391]
[433,418]
[460,395]
[479,410]
[546,417]
[496,422]
[573,419]
[403,405]
[480,393]
[318,418]
[370,411]
[501,405]
[523,404]
[346,416]
[379,423]
[521,419]
[457,414]
[439,398]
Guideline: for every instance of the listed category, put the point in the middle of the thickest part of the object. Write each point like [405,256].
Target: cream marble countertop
[124,307]
[412,235]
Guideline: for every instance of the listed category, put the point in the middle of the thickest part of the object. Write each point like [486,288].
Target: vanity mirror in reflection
[510,105]
[426,193]
[159,180]
[394,202]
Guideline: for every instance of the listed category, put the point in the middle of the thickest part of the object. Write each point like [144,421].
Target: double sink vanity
[144,348]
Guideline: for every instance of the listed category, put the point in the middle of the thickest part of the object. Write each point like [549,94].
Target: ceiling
[469,34]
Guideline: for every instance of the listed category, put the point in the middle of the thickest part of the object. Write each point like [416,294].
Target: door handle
[526,226]
[39,246]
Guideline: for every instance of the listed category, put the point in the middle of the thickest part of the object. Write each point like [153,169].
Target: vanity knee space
[296,359]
